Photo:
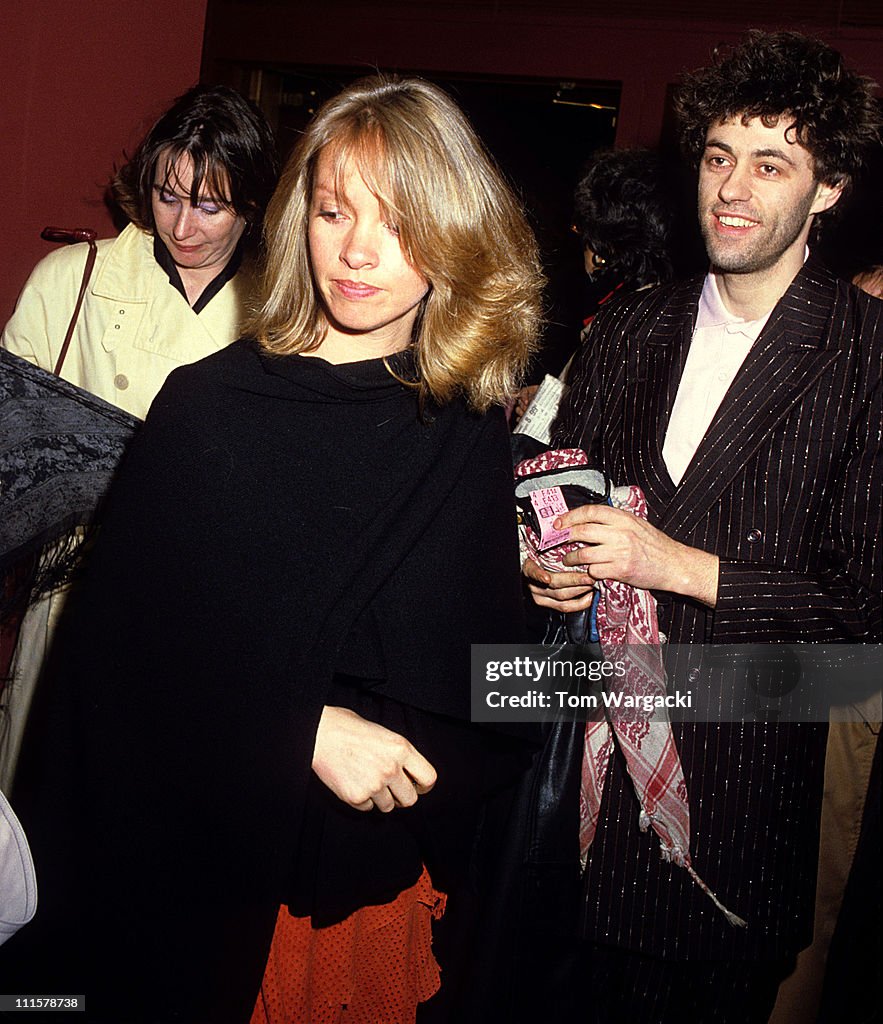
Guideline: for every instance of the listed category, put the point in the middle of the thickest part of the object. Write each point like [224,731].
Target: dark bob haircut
[769,75]
[231,146]
[624,212]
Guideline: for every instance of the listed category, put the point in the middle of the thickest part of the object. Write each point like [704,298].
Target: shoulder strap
[73,235]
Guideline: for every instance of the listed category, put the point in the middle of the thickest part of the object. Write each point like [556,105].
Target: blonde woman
[269,666]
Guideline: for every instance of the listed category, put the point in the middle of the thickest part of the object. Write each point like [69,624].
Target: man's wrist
[697,576]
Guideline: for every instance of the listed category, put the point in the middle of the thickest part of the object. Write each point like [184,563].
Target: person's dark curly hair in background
[772,75]
[624,214]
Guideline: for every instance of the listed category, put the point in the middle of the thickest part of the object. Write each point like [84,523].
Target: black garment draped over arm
[265,508]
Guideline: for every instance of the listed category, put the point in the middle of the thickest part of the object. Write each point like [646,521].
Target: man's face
[757,196]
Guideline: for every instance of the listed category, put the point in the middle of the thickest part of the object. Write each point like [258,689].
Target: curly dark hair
[770,74]
[624,212]
[229,141]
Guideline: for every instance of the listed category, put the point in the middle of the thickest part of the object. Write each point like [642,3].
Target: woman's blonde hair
[459,225]
[870,280]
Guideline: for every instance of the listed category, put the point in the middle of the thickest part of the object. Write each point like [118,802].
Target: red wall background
[80,84]
[505,39]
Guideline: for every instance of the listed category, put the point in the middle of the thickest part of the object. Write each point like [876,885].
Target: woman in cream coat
[134,327]
[173,287]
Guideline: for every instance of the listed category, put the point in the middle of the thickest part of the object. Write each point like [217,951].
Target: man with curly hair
[747,406]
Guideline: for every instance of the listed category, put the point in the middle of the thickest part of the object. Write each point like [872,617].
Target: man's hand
[622,547]
[366,765]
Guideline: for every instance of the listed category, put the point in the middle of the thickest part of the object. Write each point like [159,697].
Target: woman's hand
[366,765]
[525,397]
[560,591]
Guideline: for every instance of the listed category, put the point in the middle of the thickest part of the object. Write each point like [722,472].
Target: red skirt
[374,967]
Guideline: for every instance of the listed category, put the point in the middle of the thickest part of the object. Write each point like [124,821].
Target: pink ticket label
[549,503]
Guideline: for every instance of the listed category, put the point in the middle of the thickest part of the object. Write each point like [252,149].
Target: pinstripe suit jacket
[786,488]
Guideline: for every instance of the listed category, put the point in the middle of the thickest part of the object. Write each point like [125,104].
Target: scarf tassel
[676,855]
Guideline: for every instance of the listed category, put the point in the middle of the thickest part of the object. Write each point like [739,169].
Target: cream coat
[134,327]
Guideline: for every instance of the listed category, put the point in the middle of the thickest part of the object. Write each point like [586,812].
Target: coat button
[694,674]
[121,382]
[753,536]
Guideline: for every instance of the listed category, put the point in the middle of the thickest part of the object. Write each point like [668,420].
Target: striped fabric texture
[786,487]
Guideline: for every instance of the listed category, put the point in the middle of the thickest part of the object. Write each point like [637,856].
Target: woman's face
[370,292]
[201,237]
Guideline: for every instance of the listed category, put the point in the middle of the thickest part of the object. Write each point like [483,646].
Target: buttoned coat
[786,489]
[134,327]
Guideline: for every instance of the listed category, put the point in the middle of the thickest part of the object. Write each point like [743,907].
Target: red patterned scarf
[629,633]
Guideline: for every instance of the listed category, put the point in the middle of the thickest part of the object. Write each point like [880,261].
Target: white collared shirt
[718,348]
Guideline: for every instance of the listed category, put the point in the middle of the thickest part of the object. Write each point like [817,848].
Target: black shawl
[271,513]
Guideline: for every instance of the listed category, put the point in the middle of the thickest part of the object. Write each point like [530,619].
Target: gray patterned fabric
[59,447]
